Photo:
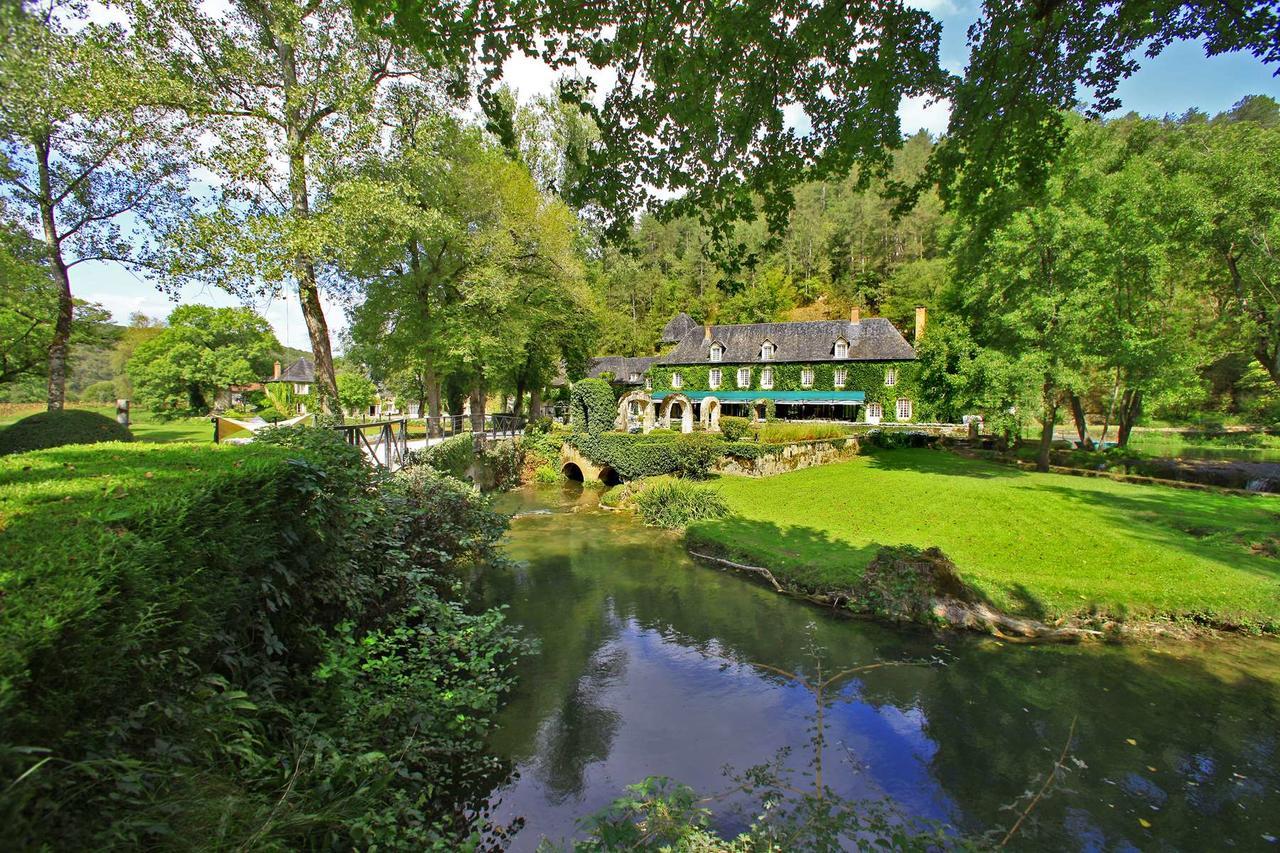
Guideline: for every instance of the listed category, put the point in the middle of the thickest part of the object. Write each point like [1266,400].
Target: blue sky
[1179,79]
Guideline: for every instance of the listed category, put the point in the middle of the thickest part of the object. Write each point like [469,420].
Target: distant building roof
[621,367]
[302,371]
[677,327]
[872,339]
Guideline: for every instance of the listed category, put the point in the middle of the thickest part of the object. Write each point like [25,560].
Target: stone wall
[791,457]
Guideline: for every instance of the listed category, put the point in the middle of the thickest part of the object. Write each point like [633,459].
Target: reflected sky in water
[646,669]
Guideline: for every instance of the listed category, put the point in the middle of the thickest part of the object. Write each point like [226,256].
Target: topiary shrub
[56,429]
[734,429]
[694,453]
[592,407]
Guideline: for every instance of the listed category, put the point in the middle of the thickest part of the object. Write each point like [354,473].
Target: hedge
[635,456]
[453,456]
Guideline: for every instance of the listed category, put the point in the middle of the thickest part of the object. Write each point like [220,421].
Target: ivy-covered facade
[857,370]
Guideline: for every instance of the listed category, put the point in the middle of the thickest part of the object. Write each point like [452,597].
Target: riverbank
[1062,551]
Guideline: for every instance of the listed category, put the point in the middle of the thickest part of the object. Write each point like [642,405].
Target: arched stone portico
[673,401]
[710,415]
[635,407]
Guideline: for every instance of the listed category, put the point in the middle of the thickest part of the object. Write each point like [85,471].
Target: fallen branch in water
[1059,769]
[760,570]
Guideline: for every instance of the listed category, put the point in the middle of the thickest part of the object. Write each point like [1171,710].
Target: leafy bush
[672,502]
[546,475]
[695,453]
[57,429]
[100,392]
[734,429]
[453,456]
[592,406]
[541,450]
[280,618]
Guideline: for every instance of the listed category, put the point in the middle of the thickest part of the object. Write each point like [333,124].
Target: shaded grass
[143,424]
[1034,544]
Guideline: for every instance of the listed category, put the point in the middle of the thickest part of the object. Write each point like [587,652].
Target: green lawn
[144,425]
[1041,545]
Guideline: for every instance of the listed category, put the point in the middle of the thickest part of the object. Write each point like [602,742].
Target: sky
[1181,78]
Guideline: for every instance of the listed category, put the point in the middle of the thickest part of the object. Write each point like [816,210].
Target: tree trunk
[535,403]
[433,403]
[1130,411]
[518,408]
[1082,426]
[1048,421]
[60,346]
[478,398]
[304,268]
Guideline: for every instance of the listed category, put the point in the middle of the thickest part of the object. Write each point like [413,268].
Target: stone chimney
[922,317]
[855,314]
[706,334]
[276,375]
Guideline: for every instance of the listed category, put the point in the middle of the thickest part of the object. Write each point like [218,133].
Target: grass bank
[1037,545]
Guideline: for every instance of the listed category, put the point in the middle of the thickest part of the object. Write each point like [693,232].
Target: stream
[646,668]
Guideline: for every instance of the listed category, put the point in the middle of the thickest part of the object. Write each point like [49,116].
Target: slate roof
[872,339]
[620,366]
[303,371]
[677,327]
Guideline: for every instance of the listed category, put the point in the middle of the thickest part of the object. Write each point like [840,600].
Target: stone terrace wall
[791,457]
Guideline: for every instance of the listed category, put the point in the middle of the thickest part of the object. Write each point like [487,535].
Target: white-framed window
[904,409]
[842,349]
[766,351]
[766,378]
[635,377]
[874,413]
[717,352]
[301,388]
[890,376]
[806,377]
[842,376]
[744,377]
[713,377]
[677,381]
[648,383]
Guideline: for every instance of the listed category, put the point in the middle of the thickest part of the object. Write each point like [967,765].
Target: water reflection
[645,669]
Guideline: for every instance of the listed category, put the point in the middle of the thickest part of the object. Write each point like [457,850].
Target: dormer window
[842,348]
[635,377]
[766,351]
[717,352]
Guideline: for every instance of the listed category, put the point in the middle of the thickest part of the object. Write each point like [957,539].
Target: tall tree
[82,154]
[478,277]
[203,350]
[287,91]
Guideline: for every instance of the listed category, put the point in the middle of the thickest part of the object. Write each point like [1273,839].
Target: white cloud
[918,112]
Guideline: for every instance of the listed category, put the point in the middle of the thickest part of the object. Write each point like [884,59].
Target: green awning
[812,396]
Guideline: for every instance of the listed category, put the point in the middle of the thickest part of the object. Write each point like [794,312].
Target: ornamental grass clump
[673,503]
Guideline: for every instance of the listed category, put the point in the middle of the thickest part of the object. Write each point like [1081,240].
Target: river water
[647,667]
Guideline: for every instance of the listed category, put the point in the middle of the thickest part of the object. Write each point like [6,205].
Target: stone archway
[710,414]
[686,412]
[635,408]
[572,471]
